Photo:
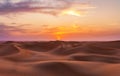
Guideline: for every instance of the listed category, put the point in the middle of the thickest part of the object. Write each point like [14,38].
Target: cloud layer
[8,32]
[54,7]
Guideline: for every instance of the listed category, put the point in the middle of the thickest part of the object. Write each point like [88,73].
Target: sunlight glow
[60,32]
[71,12]
[59,35]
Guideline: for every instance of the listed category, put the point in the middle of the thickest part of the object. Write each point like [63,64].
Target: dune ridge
[60,58]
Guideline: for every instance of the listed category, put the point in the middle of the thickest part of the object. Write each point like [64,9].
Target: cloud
[54,7]
[7,31]
[21,32]
[46,32]
[76,31]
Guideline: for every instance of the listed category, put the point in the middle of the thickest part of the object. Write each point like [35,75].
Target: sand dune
[59,58]
[87,48]
[97,58]
[8,49]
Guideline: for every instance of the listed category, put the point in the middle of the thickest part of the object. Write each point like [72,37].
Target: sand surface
[59,58]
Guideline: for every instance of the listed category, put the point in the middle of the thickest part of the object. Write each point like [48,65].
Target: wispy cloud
[54,7]
[46,32]
[7,31]
[76,31]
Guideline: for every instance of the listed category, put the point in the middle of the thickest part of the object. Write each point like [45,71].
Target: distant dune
[60,58]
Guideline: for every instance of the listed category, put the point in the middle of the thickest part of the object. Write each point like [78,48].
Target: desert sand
[60,58]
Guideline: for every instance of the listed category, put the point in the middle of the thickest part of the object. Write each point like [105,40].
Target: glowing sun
[59,35]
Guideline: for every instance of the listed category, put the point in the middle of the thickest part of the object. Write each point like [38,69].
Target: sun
[62,31]
[59,35]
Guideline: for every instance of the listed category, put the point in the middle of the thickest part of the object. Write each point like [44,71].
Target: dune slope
[60,58]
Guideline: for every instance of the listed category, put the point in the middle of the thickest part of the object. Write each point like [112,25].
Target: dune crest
[60,58]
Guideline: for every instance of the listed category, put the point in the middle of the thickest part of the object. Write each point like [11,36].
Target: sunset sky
[79,20]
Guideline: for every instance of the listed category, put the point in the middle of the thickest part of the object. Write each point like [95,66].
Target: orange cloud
[59,32]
